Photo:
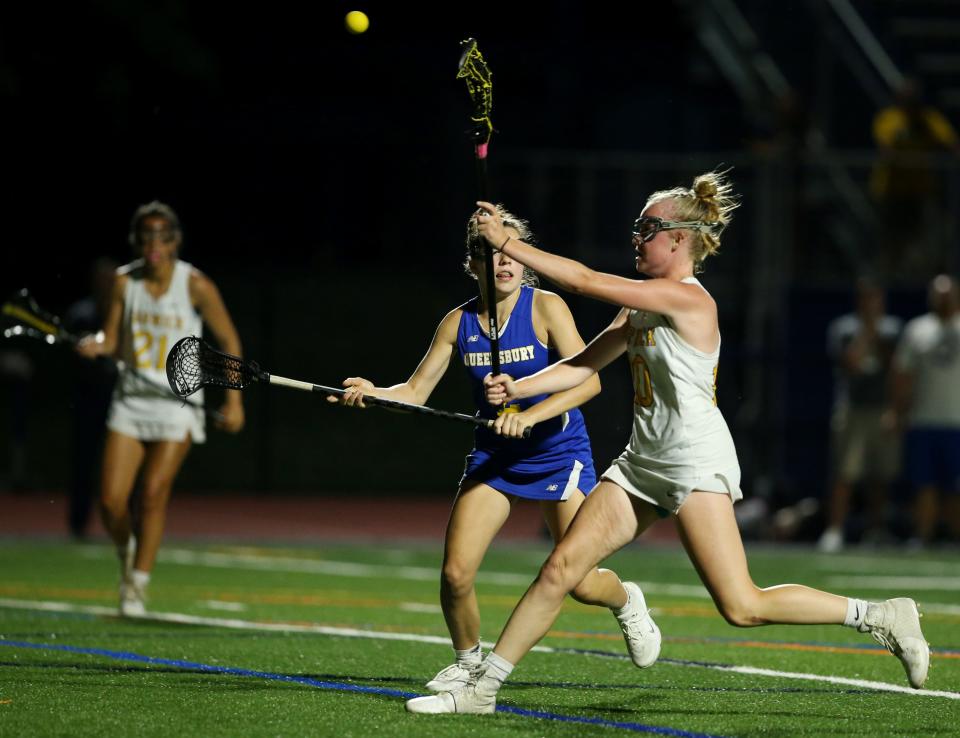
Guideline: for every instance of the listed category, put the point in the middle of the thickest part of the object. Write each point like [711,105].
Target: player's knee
[155,493]
[556,572]
[742,611]
[112,505]
[457,578]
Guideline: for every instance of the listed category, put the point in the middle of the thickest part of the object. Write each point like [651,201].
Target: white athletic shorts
[150,419]
[669,493]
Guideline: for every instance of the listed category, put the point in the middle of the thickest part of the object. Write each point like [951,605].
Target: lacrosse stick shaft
[34,321]
[493,325]
[379,401]
[474,71]
[383,402]
[193,364]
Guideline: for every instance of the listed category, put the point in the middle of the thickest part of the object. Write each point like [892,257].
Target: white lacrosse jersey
[930,350]
[680,441]
[143,405]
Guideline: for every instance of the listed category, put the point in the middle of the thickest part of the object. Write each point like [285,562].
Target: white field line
[353,569]
[171,617]
[905,583]
[223,605]
[899,565]
[880,686]
[420,573]
[421,607]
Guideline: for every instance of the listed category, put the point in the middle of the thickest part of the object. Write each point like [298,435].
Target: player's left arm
[208,302]
[552,314]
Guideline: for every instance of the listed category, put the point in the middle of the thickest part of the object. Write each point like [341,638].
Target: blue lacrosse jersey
[557,457]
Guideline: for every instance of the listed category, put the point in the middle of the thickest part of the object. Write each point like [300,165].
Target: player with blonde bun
[680,460]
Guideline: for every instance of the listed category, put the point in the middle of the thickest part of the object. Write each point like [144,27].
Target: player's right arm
[105,343]
[418,388]
[567,373]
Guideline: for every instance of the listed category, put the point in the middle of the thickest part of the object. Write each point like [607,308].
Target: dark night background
[324,180]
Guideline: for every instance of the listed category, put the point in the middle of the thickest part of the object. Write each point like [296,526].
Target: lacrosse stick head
[473,70]
[193,364]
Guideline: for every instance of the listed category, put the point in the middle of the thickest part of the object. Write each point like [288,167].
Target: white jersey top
[680,441]
[930,350]
[143,404]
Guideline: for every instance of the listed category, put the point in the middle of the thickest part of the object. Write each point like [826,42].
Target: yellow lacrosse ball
[356,21]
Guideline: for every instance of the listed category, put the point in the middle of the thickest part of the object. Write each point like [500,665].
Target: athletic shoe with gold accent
[896,625]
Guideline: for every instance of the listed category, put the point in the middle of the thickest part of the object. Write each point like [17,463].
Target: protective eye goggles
[165,235]
[646,227]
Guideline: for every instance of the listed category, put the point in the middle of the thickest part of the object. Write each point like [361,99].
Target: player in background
[157,299]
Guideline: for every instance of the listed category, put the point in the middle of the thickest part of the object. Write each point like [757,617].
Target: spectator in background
[92,389]
[926,399]
[861,346]
[905,183]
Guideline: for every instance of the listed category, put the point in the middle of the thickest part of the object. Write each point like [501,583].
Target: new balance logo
[473,339]
[553,487]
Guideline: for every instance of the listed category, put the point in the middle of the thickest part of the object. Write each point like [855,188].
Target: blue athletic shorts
[554,482]
[933,458]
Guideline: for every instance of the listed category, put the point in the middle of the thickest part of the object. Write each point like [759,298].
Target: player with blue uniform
[554,465]
[557,459]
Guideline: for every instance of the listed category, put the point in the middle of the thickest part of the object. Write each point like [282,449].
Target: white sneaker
[831,541]
[639,631]
[467,699]
[132,599]
[896,625]
[453,677]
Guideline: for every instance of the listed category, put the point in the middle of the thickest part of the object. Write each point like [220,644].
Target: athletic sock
[140,579]
[495,674]
[469,656]
[856,612]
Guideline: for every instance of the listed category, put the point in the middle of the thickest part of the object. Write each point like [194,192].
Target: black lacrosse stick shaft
[474,71]
[493,324]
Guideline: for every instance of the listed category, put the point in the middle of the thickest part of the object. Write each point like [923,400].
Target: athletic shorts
[862,448]
[159,420]
[555,482]
[933,458]
[667,494]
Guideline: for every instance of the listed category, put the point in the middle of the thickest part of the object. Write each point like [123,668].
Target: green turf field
[330,641]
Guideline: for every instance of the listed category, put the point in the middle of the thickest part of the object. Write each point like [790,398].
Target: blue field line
[340,686]
[231,671]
